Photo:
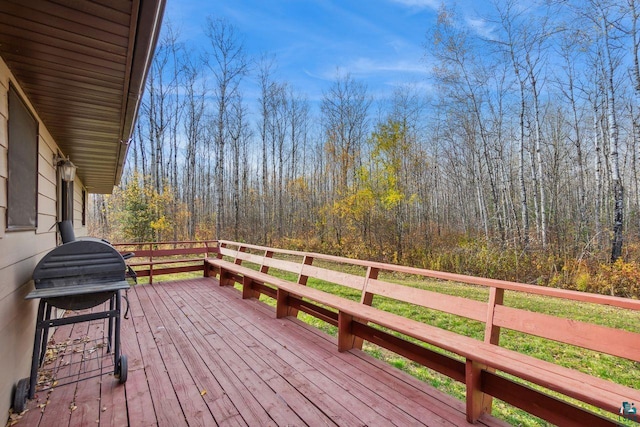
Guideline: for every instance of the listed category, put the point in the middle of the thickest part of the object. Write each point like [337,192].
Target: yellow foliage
[355,205]
[162,224]
[620,278]
[392,198]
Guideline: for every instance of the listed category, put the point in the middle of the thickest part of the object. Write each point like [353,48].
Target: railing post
[238,261]
[492,333]
[150,263]
[302,279]
[366,298]
[265,268]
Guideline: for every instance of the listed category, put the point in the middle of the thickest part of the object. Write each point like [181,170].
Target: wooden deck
[199,355]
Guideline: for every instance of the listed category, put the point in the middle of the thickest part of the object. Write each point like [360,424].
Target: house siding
[20,251]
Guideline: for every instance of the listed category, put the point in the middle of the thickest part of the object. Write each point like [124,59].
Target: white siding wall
[20,252]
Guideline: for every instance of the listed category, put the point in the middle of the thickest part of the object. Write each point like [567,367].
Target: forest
[517,159]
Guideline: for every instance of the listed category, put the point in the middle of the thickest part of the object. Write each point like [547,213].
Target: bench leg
[247,285]
[224,277]
[283,309]
[477,404]
[346,339]
[247,288]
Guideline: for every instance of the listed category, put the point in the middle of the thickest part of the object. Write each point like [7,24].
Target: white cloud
[372,69]
[367,66]
[481,27]
[420,4]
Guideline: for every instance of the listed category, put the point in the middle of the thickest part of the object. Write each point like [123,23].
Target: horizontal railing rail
[283,275]
[162,258]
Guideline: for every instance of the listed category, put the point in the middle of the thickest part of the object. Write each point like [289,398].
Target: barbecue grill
[77,275]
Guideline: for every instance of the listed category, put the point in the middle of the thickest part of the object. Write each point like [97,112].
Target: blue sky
[377,41]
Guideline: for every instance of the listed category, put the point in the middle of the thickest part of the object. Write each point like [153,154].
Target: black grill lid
[79,275]
[79,262]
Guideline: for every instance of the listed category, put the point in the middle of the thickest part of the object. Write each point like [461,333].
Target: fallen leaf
[73,407]
[203,392]
[14,416]
[104,408]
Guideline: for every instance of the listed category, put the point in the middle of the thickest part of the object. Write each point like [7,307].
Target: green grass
[167,277]
[616,369]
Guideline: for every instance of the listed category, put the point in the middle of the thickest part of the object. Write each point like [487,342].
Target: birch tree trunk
[538,150]
[229,66]
[616,180]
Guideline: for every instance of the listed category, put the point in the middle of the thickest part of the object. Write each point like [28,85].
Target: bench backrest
[491,312]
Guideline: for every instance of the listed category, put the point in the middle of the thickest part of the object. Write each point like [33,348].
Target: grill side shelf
[77,290]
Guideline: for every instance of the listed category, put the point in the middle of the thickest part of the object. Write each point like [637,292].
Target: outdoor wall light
[66,168]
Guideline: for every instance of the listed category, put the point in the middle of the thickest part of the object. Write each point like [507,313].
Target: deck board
[199,355]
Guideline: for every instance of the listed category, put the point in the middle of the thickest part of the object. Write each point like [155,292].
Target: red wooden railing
[161,258]
[259,270]
[486,359]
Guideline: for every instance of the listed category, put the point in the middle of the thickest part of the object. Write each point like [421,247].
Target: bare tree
[194,128]
[267,86]
[606,21]
[569,50]
[463,77]
[344,109]
[229,65]
[239,133]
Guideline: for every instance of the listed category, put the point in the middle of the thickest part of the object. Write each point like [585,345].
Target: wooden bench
[484,362]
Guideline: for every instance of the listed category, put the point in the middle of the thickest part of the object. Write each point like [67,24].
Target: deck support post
[346,338]
[477,404]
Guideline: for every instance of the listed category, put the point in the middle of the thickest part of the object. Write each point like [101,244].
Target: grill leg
[45,333]
[110,334]
[37,346]
[116,351]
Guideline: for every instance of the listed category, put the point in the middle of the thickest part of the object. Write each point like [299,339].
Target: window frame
[26,123]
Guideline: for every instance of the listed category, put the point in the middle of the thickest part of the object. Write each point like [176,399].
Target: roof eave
[146,30]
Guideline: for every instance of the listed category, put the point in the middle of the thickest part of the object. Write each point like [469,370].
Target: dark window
[22,182]
[67,200]
[84,207]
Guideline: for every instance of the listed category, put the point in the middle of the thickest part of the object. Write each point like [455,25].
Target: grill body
[77,275]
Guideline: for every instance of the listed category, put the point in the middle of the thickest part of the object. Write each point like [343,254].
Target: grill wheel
[20,396]
[122,369]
